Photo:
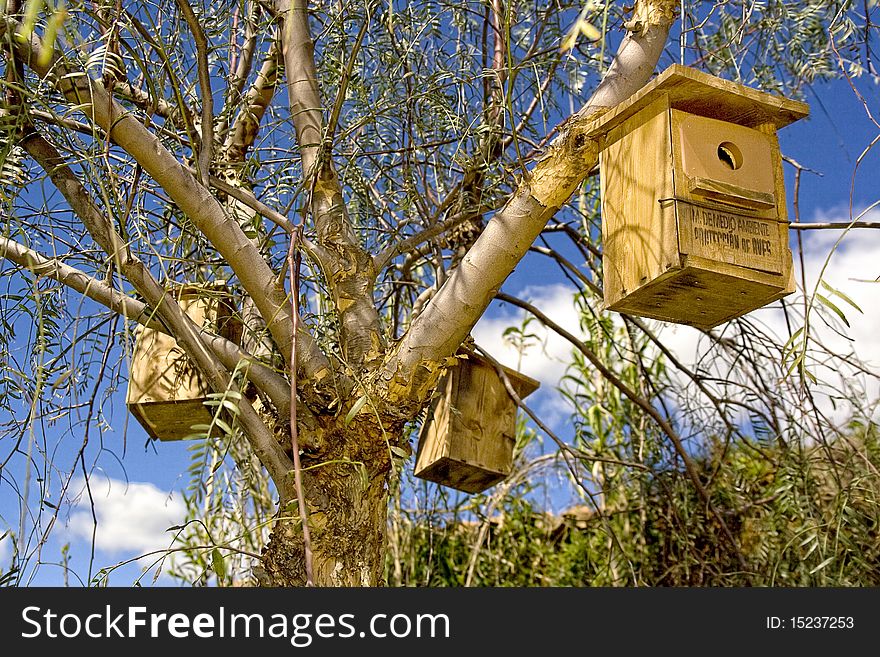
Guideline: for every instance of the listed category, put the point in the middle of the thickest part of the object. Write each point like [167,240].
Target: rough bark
[347,498]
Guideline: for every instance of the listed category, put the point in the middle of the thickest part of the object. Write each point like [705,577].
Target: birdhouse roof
[699,93]
[524,385]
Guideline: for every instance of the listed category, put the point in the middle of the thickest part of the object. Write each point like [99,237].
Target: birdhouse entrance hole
[730,155]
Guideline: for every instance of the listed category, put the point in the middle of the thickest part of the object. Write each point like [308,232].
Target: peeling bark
[347,267]
[348,507]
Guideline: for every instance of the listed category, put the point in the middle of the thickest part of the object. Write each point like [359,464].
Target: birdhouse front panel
[694,220]
[468,441]
[165,392]
[727,201]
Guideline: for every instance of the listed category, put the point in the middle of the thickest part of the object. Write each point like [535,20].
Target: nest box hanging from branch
[468,439]
[694,220]
[165,392]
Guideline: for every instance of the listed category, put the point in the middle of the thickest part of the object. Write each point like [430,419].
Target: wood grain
[468,439]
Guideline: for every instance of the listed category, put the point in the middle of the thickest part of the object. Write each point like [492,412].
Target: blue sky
[138,497]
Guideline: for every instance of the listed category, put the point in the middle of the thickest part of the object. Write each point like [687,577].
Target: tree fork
[414,366]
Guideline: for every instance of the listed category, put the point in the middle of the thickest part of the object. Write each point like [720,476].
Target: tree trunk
[347,499]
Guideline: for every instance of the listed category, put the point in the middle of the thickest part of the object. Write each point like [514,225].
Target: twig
[646,407]
[201,41]
[293,262]
[343,83]
[835,225]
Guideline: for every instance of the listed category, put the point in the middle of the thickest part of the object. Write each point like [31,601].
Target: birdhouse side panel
[788,283]
[161,371]
[434,435]
[638,224]
[483,426]
[165,391]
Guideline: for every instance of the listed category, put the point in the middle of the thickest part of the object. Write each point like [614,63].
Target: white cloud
[547,355]
[132,517]
[854,269]
[851,267]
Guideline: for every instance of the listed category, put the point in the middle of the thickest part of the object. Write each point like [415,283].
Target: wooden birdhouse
[468,439]
[165,392]
[694,221]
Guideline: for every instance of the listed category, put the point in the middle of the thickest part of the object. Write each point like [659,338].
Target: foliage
[425,109]
[802,515]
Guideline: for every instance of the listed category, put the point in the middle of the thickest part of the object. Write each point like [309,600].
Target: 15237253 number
[810,623]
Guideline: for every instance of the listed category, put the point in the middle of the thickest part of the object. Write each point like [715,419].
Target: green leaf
[56,20]
[399,451]
[219,563]
[823,564]
[842,296]
[225,427]
[590,31]
[358,405]
[790,343]
[31,11]
[830,305]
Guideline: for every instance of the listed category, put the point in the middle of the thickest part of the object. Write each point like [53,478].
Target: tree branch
[188,194]
[201,42]
[643,404]
[439,330]
[245,56]
[179,324]
[835,225]
[384,258]
[247,125]
[231,355]
[57,270]
[349,269]
[174,114]
[298,52]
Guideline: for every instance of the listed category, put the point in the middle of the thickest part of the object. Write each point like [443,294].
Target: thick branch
[298,52]
[192,198]
[182,328]
[75,279]
[256,101]
[349,269]
[439,330]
